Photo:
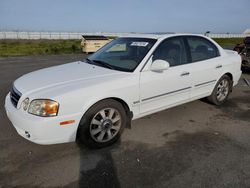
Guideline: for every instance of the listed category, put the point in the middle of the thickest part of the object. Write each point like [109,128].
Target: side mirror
[159,65]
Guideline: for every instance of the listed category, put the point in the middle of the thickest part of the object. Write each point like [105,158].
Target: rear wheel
[102,124]
[221,90]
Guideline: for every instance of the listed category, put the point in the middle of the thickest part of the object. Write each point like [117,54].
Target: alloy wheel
[105,125]
[222,90]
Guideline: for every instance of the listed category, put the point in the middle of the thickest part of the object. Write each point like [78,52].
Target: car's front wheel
[102,124]
[221,90]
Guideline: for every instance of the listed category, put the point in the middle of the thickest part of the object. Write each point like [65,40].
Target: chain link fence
[78,35]
[50,35]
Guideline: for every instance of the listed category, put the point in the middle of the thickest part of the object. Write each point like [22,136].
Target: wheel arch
[125,105]
[229,75]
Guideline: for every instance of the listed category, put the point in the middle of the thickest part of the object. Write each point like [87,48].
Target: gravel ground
[192,145]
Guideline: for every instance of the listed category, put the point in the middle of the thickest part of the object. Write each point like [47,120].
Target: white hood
[57,75]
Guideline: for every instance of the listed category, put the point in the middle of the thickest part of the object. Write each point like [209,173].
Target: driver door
[163,89]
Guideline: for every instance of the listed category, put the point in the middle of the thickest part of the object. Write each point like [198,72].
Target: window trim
[169,38]
[154,41]
[189,50]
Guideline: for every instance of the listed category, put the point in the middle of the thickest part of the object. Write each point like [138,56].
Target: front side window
[123,54]
[201,49]
[171,50]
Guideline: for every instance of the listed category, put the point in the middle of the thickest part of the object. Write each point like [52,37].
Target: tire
[221,90]
[103,124]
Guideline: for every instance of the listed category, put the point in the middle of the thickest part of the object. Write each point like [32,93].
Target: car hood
[59,75]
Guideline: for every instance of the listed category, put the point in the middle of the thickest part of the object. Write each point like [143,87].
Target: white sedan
[131,77]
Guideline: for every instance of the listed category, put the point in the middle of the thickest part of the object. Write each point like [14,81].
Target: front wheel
[221,90]
[102,124]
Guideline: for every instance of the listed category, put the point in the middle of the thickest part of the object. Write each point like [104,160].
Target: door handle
[185,73]
[218,66]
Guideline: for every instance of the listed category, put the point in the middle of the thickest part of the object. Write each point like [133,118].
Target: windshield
[123,54]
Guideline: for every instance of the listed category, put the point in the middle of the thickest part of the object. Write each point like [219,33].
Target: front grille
[14,96]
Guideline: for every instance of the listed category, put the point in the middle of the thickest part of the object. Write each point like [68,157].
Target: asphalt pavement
[193,145]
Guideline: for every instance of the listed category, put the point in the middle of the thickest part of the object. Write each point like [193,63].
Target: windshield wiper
[88,61]
[102,63]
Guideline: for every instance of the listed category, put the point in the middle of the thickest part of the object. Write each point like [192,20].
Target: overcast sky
[217,16]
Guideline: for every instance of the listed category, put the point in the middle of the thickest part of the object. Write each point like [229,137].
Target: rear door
[206,65]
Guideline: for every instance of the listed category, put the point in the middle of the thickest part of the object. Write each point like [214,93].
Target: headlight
[25,104]
[43,107]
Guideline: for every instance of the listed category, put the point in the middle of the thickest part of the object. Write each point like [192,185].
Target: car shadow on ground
[97,168]
[185,160]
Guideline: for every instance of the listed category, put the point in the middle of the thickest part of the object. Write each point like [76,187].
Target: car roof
[159,36]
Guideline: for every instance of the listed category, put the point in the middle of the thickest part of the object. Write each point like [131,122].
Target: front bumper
[41,130]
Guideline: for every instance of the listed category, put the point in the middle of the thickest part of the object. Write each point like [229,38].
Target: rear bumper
[41,130]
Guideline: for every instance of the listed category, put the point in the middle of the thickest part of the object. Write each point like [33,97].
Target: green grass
[38,47]
[48,47]
[228,42]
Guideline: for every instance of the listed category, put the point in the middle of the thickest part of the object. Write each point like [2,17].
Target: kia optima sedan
[95,99]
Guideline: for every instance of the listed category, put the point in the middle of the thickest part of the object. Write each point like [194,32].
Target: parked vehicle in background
[244,51]
[131,77]
[245,55]
[92,43]
[239,47]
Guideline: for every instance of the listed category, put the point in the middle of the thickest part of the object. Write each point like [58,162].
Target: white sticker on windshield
[144,44]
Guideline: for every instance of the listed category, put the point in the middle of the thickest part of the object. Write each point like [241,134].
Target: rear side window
[201,49]
[171,50]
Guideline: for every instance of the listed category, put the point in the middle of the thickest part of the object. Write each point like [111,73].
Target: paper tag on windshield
[144,44]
